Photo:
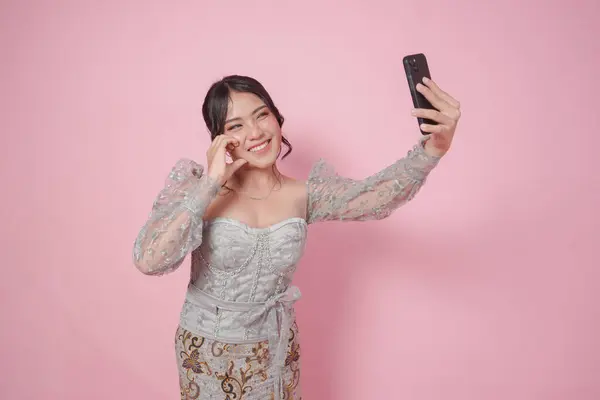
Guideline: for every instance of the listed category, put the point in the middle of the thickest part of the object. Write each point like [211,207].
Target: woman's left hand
[447,114]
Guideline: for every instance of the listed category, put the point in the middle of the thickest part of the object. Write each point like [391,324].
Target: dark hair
[216,103]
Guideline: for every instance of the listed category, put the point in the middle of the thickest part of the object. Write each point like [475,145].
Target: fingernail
[413,111]
[425,79]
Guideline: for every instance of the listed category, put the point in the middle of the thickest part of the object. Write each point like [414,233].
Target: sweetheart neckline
[242,224]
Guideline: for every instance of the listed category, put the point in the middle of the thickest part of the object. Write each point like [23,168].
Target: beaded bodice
[236,262]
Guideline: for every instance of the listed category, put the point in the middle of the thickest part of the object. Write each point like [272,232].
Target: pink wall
[485,287]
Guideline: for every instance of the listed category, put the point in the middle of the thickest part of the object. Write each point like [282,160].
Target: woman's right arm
[174,227]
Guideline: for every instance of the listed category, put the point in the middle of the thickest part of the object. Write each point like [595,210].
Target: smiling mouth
[260,147]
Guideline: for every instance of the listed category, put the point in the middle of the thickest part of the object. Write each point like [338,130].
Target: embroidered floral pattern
[210,369]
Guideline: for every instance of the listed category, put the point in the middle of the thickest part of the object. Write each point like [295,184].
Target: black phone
[415,68]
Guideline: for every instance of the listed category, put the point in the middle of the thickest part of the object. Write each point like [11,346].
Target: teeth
[259,148]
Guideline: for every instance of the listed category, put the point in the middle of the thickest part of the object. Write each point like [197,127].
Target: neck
[255,180]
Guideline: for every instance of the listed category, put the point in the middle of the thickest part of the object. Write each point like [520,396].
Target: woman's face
[251,122]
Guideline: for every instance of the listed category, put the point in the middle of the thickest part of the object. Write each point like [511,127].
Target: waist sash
[276,313]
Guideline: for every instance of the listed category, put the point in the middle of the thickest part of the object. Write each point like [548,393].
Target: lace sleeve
[174,226]
[335,198]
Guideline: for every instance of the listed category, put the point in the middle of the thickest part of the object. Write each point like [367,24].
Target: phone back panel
[416,68]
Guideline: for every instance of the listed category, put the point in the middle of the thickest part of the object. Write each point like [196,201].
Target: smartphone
[415,68]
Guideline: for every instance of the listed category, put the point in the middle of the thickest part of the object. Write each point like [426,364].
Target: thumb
[237,164]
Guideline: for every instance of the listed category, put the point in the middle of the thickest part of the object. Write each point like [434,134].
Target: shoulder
[295,186]
[294,191]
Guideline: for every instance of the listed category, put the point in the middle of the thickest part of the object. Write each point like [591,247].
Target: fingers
[237,164]
[434,128]
[231,142]
[440,93]
[446,123]
[226,141]
[222,142]
[433,98]
[433,115]
[440,99]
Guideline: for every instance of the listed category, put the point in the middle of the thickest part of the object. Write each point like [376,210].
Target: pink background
[485,287]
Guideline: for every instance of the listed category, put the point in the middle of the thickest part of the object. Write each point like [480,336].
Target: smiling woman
[245,225]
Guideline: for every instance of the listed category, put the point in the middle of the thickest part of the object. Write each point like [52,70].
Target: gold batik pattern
[209,369]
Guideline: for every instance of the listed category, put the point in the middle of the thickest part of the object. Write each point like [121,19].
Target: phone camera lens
[414,65]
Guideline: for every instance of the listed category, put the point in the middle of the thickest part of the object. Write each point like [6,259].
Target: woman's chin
[262,163]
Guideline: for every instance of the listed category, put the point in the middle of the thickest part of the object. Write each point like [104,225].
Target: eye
[233,127]
[263,114]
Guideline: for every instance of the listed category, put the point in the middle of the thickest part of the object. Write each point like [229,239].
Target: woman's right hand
[218,168]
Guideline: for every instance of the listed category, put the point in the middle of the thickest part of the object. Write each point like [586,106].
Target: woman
[245,225]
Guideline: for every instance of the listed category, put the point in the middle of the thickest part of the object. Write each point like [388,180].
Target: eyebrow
[253,112]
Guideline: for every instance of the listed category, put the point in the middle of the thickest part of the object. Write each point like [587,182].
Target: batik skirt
[209,369]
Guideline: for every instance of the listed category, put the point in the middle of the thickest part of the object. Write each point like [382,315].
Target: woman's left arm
[335,198]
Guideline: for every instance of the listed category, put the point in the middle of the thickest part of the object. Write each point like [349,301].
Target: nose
[255,132]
